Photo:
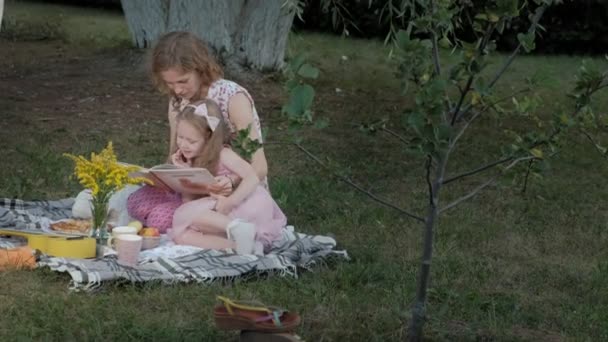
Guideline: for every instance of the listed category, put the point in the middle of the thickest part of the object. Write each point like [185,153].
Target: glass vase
[99,224]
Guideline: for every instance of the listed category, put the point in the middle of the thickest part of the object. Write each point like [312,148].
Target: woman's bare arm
[240,111]
[172,114]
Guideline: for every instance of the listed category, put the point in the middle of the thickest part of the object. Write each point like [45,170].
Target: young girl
[248,219]
[183,68]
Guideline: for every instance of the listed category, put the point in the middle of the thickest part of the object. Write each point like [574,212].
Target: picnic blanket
[19,214]
[169,263]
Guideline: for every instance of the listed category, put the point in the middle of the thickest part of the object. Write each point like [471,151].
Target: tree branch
[539,13]
[590,138]
[488,106]
[429,163]
[477,170]
[465,91]
[527,175]
[436,63]
[477,114]
[521,91]
[349,182]
[462,130]
[396,135]
[484,185]
[463,94]
[576,111]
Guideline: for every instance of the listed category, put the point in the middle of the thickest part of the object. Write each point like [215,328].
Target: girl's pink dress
[258,208]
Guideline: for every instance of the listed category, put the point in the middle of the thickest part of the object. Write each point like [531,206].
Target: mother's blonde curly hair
[186,52]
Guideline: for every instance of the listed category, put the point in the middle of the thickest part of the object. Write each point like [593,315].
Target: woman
[183,68]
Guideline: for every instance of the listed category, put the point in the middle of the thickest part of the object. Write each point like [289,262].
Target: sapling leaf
[537,152]
[308,71]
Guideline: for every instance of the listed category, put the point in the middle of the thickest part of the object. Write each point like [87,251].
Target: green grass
[74,25]
[508,266]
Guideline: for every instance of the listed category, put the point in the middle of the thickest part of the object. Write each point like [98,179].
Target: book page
[164,167]
[145,173]
[167,176]
[131,165]
[171,177]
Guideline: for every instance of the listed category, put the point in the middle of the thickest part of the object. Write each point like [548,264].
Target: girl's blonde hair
[186,52]
[215,140]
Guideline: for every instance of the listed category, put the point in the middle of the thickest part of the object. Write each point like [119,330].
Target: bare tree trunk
[213,20]
[263,33]
[1,12]
[419,309]
[250,32]
[147,20]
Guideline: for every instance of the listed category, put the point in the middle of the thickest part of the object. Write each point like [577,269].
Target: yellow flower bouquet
[103,175]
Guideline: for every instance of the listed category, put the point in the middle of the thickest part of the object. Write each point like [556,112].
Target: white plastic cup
[121,230]
[128,247]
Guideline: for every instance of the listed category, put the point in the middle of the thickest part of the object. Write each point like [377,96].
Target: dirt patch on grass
[49,87]
[75,99]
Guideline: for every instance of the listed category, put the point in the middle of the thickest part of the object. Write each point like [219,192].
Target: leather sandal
[253,316]
[256,336]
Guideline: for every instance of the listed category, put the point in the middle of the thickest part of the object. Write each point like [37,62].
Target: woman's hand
[198,188]
[224,205]
[223,186]
[178,159]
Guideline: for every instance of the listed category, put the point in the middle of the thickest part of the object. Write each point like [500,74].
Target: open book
[167,176]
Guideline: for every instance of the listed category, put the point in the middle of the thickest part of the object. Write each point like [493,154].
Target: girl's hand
[222,187]
[178,159]
[224,205]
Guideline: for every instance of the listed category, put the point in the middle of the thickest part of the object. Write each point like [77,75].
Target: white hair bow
[201,110]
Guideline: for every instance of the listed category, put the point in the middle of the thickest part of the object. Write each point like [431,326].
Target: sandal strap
[275,317]
[243,305]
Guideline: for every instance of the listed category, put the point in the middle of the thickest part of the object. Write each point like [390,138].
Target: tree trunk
[147,20]
[419,309]
[250,32]
[1,12]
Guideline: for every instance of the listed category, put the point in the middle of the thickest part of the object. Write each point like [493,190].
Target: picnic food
[72,226]
[136,224]
[149,231]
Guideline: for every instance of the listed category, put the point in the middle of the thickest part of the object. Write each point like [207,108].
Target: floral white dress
[221,91]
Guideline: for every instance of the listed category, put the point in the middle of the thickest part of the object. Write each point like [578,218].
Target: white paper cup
[128,247]
[121,230]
